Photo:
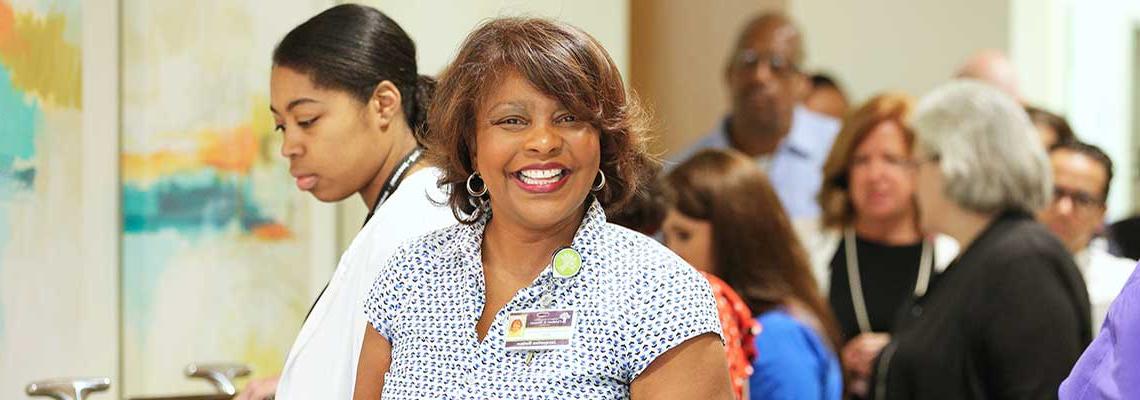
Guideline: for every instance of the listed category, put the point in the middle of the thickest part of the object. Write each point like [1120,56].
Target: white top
[322,361]
[1105,275]
[633,300]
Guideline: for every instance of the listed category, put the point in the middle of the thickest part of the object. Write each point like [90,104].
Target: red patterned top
[739,329]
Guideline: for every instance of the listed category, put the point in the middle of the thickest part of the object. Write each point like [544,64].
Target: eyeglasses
[891,161]
[917,162]
[1082,200]
[747,60]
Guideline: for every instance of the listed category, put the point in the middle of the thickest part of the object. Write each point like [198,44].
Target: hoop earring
[471,191]
[598,187]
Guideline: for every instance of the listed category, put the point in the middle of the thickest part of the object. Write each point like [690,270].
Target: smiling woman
[537,134]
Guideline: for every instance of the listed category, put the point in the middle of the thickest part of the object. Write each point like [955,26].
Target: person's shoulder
[817,123]
[783,337]
[778,324]
[425,252]
[1111,267]
[1098,249]
[713,139]
[1024,239]
[632,253]
[813,133]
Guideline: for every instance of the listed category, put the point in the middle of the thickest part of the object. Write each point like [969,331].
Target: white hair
[990,155]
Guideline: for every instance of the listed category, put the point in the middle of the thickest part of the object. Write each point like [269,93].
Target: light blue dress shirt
[796,167]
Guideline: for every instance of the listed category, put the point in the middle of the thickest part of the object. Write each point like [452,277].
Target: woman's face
[690,238]
[881,178]
[932,201]
[331,140]
[537,159]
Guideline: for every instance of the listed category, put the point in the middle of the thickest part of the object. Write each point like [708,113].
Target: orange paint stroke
[272,232]
[7,21]
[233,151]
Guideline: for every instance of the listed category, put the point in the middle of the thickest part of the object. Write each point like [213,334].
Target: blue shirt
[633,300]
[796,167]
[793,362]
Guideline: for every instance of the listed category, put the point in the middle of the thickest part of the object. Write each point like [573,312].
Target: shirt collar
[584,242]
[799,141]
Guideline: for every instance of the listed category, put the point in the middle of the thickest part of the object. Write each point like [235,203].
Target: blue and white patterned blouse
[633,301]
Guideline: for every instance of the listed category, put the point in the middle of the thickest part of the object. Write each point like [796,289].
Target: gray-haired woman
[1009,317]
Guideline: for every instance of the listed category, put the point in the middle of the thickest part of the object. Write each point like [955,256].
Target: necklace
[925,267]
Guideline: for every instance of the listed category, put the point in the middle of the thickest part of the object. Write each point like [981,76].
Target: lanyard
[565,264]
[925,265]
[394,180]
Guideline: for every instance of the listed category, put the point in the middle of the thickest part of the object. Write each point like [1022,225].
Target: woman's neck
[402,144]
[521,251]
[897,230]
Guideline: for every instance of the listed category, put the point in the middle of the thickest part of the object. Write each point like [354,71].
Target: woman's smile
[541,178]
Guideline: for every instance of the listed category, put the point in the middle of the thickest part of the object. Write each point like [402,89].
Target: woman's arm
[695,369]
[375,358]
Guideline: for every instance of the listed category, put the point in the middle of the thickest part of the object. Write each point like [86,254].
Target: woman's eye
[308,123]
[511,122]
[568,118]
[279,128]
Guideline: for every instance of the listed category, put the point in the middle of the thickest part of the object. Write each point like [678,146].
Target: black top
[887,274]
[1007,320]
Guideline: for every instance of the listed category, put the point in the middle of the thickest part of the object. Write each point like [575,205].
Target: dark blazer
[1007,320]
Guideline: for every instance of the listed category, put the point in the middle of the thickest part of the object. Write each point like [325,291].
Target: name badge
[540,330]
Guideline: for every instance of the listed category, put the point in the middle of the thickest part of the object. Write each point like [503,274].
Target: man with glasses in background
[766,122]
[1081,177]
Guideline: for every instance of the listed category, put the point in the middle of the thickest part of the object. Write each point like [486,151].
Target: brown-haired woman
[725,219]
[867,251]
[536,133]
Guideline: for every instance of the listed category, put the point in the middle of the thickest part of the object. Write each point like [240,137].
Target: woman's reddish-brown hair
[754,249]
[835,193]
[561,61]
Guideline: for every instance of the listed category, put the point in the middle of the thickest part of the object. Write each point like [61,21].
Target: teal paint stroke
[145,258]
[191,203]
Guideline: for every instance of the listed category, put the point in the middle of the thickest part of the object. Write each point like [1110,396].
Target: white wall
[439,27]
[1076,58]
[876,45]
[1098,97]
[1040,46]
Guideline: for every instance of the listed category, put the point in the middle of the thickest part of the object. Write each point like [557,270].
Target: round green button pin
[567,262]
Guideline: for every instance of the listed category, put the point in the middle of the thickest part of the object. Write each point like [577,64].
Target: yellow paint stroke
[261,123]
[41,62]
[146,168]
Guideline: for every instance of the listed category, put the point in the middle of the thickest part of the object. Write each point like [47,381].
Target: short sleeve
[385,299]
[673,305]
